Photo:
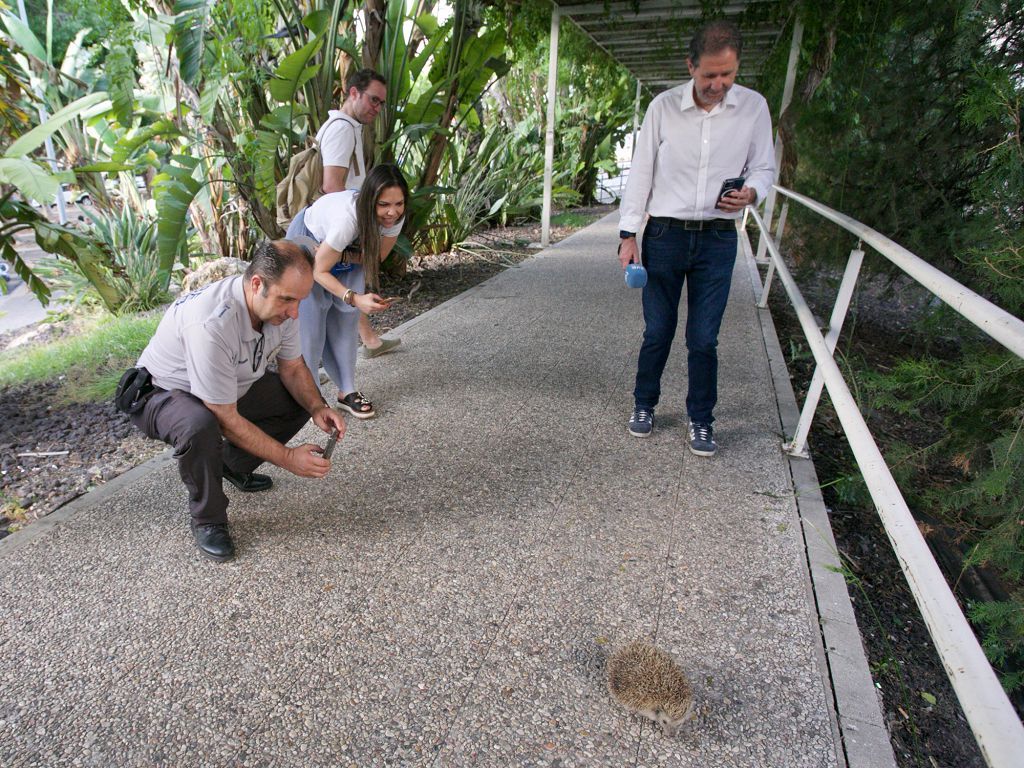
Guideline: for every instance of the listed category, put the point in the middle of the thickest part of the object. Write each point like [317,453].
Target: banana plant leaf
[93,258]
[33,139]
[190,20]
[174,189]
[31,179]
[24,271]
[24,37]
[121,80]
[294,71]
[127,145]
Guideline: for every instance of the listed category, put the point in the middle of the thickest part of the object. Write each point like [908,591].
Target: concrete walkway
[447,596]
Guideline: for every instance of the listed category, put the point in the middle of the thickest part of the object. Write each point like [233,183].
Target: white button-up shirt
[683,154]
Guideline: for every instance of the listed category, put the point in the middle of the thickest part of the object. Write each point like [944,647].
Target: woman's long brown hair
[382,177]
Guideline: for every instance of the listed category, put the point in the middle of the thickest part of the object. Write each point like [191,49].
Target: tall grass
[85,366]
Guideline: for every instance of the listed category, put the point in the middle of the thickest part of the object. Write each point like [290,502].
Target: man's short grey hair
[715,37]
[271,259]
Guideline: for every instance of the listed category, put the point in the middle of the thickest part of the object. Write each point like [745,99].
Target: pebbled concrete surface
[448,596]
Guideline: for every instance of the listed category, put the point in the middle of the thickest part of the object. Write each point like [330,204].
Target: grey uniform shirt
[206,344]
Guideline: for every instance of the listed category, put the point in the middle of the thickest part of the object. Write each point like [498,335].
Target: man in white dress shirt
[693,138]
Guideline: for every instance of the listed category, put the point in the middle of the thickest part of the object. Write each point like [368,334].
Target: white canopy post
[787,97]
[636,119]
[549,133]
[43,117]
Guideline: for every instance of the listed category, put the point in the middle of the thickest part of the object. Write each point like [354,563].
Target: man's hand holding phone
[733,196]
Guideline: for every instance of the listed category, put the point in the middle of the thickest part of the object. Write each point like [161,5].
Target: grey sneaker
[702,440]
[641,422]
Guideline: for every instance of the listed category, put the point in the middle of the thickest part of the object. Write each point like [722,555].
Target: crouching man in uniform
[213,399]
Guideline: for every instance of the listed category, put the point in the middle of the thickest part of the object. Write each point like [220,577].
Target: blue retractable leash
[636,275]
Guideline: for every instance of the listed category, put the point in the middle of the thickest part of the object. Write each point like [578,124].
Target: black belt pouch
[130,396]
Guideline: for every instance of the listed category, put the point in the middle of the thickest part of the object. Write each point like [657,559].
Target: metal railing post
[763,301]
[780,227]
[798,445]
[549,131]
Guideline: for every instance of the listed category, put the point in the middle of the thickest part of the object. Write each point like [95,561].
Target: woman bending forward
[355,231]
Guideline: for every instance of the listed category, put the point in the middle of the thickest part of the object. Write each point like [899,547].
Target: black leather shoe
[250,483]
[214,541]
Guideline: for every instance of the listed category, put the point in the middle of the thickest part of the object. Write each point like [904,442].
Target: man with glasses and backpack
[341,147]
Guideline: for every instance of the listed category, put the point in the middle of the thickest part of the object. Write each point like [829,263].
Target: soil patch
[51,454]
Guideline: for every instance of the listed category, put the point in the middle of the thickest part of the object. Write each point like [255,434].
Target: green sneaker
[386,345]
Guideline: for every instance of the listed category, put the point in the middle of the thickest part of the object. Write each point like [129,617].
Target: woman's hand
[369,303]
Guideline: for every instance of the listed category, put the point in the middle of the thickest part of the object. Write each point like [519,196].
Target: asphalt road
[19,308]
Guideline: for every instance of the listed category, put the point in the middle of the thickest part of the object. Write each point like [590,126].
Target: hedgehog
[647,681]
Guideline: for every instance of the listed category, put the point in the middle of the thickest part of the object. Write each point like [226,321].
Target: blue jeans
[328,327]
[704,261]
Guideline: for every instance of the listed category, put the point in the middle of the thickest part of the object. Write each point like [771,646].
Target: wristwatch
[624,235]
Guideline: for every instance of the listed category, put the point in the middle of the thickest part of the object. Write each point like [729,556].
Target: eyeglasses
[378,103]
[257,353]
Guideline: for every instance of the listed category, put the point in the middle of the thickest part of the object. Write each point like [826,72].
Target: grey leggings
[328,327]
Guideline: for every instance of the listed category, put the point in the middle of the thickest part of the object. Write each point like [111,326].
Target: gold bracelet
[349,297]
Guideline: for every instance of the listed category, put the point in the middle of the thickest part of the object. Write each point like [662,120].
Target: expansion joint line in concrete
[765,320]
[513,602]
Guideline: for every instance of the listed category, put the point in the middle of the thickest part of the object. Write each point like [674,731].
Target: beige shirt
[205,344]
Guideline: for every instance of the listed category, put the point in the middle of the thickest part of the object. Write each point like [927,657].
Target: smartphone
[331,442]
[729,185]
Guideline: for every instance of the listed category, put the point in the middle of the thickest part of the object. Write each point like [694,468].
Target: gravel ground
[94,443]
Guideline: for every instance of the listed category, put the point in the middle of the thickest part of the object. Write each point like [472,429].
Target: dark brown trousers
[183,422]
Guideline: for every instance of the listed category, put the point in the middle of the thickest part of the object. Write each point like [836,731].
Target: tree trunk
[265,217]
[821,63]
[376,13]
[439,141]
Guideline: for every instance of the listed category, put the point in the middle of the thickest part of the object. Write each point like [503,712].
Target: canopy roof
[650,37]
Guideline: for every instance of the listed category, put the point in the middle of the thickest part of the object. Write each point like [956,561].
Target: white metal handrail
[988,710]
[997,323]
